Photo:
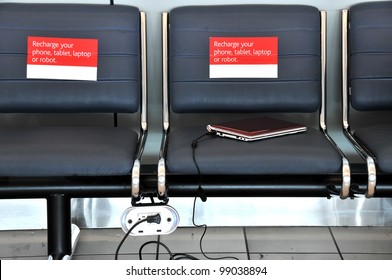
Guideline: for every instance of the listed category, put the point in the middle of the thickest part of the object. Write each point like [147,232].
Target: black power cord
[202,196]
[202,237]
[194,144]
[150,219]
[154,242]
[178,256]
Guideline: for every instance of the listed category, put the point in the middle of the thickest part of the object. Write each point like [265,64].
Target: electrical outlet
[169,220]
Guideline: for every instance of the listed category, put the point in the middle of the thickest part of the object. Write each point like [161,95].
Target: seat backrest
[116,28]
[370,56]
[297,88]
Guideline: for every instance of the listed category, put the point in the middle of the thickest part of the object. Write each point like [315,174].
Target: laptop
[255,129]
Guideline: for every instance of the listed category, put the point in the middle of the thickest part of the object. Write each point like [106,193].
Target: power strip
[169,220]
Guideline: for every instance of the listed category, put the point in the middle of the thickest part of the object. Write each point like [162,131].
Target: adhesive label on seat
[243,57]
[62,58]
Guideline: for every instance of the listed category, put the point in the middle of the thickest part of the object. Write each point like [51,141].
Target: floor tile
[23,243]
[106,241]
[24,258]
[198,256]
[367,256]
[264,243]
[108,257]
[290,240]
[363,239]
[222,240]
[292,256]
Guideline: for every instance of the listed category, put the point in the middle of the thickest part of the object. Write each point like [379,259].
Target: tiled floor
[268,243]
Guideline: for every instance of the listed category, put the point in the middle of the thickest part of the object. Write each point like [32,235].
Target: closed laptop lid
[255,128]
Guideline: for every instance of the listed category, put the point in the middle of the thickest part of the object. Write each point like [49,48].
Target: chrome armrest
[371,166]
[346,170]
[135,186]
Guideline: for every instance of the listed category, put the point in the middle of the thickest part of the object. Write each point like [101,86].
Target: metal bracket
[346,180]
[136,179]
[372,181]
[162,178]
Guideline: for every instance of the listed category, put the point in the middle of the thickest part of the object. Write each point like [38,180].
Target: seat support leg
[59,227]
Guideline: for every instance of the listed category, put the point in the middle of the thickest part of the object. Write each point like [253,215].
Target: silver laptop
[255,129]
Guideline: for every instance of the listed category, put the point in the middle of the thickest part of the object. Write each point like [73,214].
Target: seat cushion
[66,151]
[303,153]
[378,140]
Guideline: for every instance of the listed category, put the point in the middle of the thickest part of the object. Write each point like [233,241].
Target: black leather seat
[65,161]
[367,86]
[193,99]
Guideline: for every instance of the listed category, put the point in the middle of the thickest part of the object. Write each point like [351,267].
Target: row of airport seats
[63,162]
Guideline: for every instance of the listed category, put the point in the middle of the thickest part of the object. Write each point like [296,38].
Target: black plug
[194,144]
[195,141]
[154,219]
[201,194]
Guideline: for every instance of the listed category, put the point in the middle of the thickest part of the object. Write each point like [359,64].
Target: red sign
[71,52]
[244,51]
